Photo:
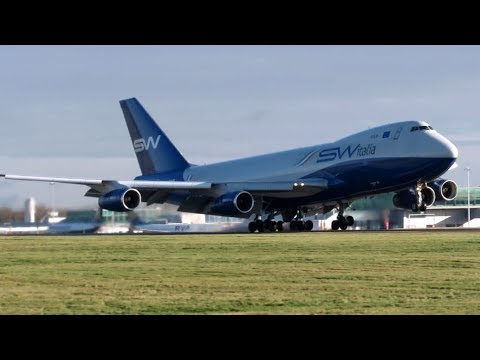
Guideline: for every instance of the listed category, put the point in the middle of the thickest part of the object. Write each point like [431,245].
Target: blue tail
[155,152]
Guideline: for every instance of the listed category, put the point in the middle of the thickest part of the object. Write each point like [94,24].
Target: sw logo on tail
[141,145]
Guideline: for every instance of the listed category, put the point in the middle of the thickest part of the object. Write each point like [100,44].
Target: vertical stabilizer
[155,152]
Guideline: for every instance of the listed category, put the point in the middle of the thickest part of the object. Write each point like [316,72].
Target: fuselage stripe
[306,158]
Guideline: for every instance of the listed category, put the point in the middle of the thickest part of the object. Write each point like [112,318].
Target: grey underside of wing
[161,189]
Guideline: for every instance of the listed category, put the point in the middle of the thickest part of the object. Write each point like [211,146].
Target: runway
[333,233]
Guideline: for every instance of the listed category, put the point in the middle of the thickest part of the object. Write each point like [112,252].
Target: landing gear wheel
[293,225]
[308,225]
[343,225]
[335,225]
[260,225]
[300,226]
[272,226]
[349,220]
[252,227]
[280,225]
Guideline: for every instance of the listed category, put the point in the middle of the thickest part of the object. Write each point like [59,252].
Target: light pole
[52,196]
[467,169]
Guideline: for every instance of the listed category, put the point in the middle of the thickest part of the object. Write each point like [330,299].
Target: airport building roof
[462,197]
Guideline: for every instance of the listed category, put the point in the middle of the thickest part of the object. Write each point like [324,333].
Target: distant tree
[9,215]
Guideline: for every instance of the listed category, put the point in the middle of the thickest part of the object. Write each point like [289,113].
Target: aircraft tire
[260,227]
[335,225]
[280,225]
[308,225]
[272,226]
[293,225]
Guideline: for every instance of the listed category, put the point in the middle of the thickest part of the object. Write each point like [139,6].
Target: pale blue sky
[60,116]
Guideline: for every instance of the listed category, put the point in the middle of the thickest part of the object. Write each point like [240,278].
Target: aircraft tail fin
[155,152]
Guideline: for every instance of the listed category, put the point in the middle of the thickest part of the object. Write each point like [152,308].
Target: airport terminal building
[379,213]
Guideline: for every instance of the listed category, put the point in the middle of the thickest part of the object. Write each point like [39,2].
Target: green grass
[303,273]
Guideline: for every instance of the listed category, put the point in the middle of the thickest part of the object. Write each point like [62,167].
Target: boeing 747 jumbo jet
[406,157]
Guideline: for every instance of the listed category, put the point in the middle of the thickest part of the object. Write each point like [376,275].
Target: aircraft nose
[447,149]
[453,150]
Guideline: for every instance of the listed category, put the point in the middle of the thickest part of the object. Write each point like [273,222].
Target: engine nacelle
[444,189]
[120,200]
[234,203]
[406,199]
[428,196]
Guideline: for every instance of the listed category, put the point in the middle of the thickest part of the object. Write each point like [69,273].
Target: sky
[60,114]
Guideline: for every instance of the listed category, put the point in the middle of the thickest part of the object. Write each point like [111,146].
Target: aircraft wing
[159,189]
[103,186]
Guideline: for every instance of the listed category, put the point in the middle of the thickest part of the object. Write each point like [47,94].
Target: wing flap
[281,186]
[170,185]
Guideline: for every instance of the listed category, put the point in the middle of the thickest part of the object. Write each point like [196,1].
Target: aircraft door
[397,134]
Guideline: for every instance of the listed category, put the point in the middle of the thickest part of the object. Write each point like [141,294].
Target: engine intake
[444,189]
[234,203]
[120,200]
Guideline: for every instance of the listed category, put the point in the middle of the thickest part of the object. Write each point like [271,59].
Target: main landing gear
[342,222]
[300,225]
[268,225]
[296,224]
[296,220]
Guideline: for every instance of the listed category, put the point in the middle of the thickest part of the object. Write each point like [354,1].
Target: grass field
[301,273]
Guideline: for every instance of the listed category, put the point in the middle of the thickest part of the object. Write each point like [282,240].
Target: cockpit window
[421,128]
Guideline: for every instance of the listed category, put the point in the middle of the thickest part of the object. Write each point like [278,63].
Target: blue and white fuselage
[382,159]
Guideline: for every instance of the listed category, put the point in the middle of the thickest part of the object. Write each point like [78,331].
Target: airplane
[404,157]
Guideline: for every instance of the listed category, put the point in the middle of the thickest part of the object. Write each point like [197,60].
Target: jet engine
[120,200]
[407,199]
[444,189]
[234,203]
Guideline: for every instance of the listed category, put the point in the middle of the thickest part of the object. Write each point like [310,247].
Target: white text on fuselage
[334,153]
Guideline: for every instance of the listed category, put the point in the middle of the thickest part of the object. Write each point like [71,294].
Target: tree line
[9,215]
